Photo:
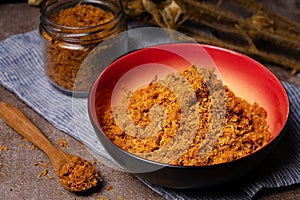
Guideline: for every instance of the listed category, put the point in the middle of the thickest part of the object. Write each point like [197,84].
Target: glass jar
[70,30]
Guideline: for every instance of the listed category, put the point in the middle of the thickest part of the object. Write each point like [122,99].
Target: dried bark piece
[35,2]
[249,34]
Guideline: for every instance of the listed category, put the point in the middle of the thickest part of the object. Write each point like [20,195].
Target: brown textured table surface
[19,172]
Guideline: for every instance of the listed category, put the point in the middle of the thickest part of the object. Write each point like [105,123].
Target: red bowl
[244,76]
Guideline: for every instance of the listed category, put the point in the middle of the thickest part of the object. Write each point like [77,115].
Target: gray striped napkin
[21,71]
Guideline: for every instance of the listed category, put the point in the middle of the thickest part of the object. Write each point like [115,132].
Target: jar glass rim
[45,18]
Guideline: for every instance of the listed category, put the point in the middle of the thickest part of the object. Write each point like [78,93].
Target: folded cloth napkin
[21,71]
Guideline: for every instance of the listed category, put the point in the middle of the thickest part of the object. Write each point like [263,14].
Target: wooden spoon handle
[20,123]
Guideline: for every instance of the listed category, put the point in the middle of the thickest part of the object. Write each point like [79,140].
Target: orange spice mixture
[82,15]
[244,129]
[79,174]
[64,58]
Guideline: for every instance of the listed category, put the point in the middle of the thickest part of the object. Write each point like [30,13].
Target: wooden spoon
[66,166]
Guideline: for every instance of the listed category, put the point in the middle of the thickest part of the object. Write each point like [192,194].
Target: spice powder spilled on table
[244,131]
